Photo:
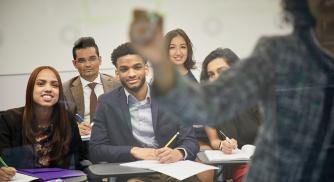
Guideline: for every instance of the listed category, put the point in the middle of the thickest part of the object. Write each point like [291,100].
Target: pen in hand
[223,134]
[172,139]
[79,118]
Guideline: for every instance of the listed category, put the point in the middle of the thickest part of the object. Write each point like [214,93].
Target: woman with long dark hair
[42,133]
[180,52]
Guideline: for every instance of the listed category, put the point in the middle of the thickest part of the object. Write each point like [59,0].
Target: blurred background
[42,32]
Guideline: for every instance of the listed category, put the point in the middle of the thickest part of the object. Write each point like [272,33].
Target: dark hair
[298,13]
[82,43]
[61,133]
[123,50]
[227,54]
[190,63]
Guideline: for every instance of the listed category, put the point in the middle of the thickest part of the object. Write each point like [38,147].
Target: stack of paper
[179,170]
[219,156]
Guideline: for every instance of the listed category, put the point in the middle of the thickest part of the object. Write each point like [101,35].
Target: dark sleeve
[249,82]
[188,141]
[12,150]
[11,128]
[101,148]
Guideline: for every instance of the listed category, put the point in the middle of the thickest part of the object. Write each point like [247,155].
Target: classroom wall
[42,32]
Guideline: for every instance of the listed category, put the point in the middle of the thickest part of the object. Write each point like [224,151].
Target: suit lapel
[77,94]
[124,108]
[154,110]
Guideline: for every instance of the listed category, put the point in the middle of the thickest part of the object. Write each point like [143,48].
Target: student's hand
[6,173]
[146,35]
[228,145]
[168,155]
[215,143]
[84,128]
[144,153]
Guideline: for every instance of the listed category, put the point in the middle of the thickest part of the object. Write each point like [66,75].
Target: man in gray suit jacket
[129,125]
[78,94]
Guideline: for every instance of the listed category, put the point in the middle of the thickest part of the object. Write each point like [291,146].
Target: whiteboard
[42,32]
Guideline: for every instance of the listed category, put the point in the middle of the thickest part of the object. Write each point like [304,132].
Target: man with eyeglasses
[82,91]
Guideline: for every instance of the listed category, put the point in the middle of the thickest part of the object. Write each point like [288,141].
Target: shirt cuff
[184,152]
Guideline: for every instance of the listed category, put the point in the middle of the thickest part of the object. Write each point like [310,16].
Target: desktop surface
[115,169]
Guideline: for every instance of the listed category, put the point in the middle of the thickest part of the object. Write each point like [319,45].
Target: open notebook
[244,153]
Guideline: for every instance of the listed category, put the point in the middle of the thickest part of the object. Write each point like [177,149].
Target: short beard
[136,88]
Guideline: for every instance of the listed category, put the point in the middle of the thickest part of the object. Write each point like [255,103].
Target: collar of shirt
[133,99]
[85,82]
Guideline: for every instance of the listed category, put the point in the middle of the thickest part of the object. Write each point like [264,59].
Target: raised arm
[236,90]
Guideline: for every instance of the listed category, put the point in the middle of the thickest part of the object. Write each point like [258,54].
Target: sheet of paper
[183,169]
[22,178]
[179,170]
[146,164]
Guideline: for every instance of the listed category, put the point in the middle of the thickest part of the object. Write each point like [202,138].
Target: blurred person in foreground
[292,77]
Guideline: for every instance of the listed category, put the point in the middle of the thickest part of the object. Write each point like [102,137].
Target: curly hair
[122,50]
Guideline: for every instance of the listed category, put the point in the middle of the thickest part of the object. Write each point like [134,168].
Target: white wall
[42,32]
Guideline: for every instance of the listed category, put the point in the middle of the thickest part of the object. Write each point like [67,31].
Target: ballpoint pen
[222,134]
[79,118]
[172,139]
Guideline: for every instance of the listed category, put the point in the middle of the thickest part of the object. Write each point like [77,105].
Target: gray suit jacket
[74,94]
[112,138]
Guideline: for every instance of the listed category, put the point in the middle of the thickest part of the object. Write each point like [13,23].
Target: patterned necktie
[93,101]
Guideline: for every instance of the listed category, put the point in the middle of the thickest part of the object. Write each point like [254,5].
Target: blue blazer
[112,139]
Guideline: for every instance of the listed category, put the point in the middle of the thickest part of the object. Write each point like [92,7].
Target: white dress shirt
[86,93]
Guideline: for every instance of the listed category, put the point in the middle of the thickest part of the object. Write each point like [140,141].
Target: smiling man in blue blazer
[129,125]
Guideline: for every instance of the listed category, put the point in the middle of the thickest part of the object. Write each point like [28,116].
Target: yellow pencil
[172,139]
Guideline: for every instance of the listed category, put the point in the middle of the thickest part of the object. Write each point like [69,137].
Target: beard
[133,89]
